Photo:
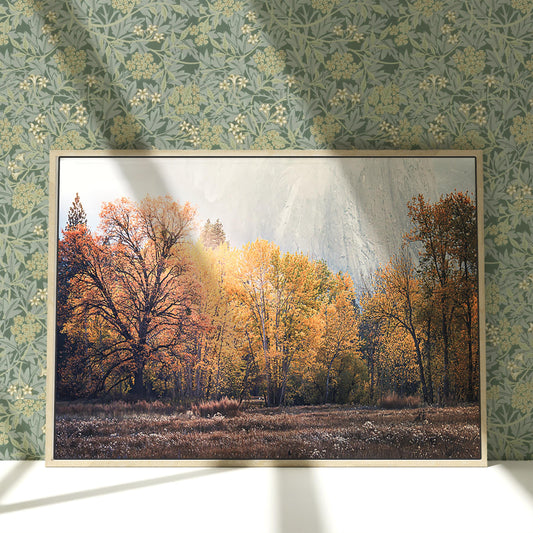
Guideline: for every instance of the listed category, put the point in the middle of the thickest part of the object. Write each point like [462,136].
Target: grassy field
[148,431]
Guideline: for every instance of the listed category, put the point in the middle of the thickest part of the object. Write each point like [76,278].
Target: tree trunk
[327,385]
[264,339]
[420,367]
[199,372]
[470,393]
[285,369]
[412,331]
[372,363]
[428,357]
[328,376]
[138,391]
[446,380]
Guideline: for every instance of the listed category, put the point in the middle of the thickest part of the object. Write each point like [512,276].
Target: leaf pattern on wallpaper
[244,74]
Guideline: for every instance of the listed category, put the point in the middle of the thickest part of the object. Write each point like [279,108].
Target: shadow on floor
[298,502]
[21,468]
[521,472]
[14,476]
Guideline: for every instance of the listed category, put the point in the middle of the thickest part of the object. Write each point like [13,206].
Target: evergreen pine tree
[76,214]
[219,235]
[213,235]
[206,233]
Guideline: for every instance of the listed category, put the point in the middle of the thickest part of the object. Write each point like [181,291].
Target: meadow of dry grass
[311,432]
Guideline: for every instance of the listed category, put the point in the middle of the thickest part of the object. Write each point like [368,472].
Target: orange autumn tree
[395,302]
[77,227]
[138,287]
[432,305]
[447,233]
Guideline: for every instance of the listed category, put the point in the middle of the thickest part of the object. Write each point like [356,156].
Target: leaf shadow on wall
[110,102]
[106,99]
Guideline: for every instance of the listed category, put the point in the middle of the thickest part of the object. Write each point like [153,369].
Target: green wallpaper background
[277,74]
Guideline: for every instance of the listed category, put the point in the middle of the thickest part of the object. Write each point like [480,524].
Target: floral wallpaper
[277,74]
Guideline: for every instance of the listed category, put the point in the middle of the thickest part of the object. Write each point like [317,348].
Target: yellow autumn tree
[278,296]
[340,340]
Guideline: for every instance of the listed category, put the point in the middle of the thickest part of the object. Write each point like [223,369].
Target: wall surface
[249,74]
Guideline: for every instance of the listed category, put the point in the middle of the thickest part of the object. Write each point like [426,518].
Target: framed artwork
[266,308]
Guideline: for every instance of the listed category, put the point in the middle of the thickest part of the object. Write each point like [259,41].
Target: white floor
[497,499]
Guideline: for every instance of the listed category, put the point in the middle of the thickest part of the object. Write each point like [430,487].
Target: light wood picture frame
[281,308]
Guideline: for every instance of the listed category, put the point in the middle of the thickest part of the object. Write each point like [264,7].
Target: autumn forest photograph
[267,308]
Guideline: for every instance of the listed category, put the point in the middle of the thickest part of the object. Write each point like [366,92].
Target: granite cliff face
[351,213]
[358,221]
